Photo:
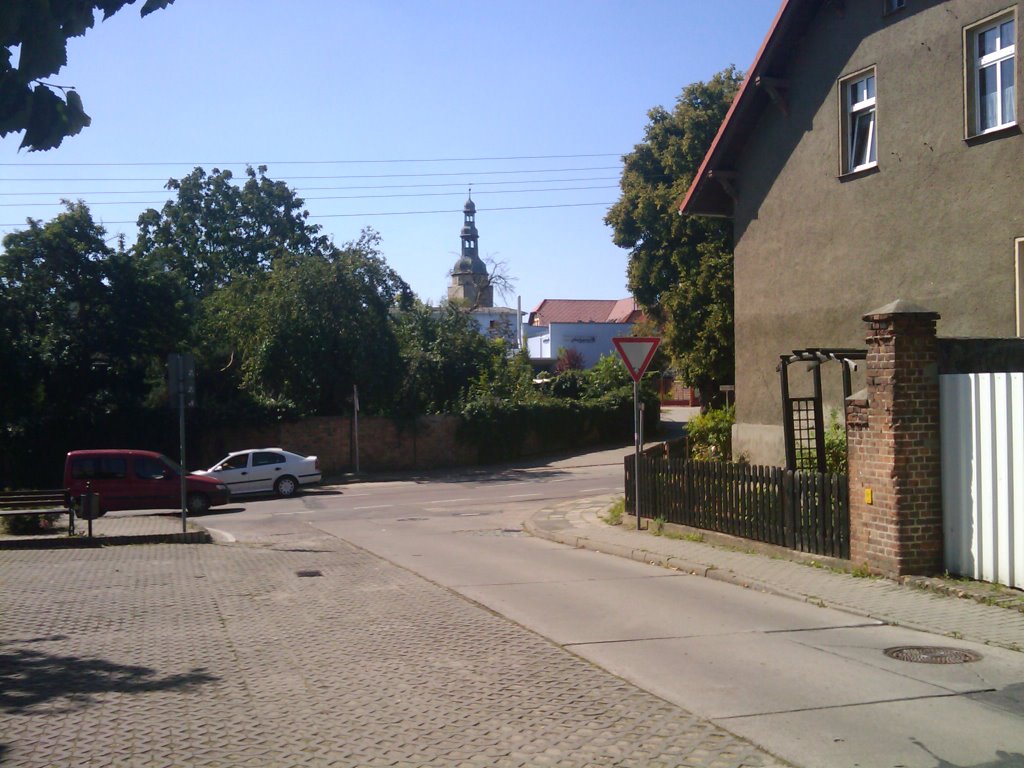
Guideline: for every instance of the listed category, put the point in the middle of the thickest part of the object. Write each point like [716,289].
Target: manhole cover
[924,654]
[308,574]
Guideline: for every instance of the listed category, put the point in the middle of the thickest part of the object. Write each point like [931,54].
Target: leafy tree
[680,268]
[710,434]
[442,352]
[84,330]
[609,374]
[301,335]
[280,316]
[216,231]
[569,359]
[40,31]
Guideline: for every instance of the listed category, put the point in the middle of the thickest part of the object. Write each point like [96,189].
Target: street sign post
[181,386]
[636,353]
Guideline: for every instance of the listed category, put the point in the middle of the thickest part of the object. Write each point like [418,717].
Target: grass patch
[614,514]
[861,571]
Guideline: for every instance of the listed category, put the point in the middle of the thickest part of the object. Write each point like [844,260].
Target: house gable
[935,220]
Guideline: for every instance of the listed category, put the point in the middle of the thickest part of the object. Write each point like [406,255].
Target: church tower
[470,282]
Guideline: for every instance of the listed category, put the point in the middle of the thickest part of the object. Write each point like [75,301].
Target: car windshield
[236,461]
[171,464]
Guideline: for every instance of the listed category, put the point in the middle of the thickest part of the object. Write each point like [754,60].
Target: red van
[126,479]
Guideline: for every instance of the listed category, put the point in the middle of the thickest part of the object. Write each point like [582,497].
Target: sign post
[181,386]
[636,352]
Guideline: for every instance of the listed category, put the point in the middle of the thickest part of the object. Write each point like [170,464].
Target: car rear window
[99,468]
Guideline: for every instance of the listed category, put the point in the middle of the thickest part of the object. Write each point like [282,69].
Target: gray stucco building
[872,153]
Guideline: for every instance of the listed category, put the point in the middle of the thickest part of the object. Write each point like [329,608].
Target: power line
[446,211]
[325,189]
[313,162]
[449,211]
[361,176]
[335,197]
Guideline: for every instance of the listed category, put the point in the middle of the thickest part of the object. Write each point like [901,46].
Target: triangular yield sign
[636,352]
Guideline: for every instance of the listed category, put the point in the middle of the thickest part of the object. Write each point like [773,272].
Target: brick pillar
[893,443]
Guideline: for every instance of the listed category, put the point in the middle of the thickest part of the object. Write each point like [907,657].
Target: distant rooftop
[586,311]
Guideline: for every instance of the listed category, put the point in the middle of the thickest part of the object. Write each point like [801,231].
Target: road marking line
[521,495]
[378,506]
[592,490]
[445,501]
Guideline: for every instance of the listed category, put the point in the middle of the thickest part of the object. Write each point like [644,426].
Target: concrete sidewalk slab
[914,603]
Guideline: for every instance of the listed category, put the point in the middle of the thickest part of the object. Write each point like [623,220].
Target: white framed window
[860,129]
[991,58]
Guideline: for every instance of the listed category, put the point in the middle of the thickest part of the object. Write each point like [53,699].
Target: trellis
[802,417]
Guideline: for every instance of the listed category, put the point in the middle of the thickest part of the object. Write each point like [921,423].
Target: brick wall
[430,442]
[894,450]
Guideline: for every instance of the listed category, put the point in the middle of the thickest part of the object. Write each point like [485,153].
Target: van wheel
[286,486]
[198,503]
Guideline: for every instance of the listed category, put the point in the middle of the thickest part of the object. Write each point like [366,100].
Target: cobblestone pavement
[306,652]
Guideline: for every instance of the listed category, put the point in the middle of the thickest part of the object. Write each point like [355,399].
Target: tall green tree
[442,352]
[215,230]
[84,327]
[39,30]
[301,335]
[680,268]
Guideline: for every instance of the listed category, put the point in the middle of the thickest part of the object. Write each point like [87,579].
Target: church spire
[470,281]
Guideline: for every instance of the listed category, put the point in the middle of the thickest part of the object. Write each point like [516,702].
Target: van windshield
[174,466]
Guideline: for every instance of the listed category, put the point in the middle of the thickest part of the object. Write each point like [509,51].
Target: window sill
[858,174]
[998,133]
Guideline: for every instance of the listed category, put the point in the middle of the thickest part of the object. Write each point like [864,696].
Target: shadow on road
[30,677]
[1002,759]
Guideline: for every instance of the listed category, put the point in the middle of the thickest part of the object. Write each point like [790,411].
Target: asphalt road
[808,684]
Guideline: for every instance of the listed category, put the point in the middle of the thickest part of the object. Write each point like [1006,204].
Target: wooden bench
[38,503]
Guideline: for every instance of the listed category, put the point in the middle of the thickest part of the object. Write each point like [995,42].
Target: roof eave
[705,197]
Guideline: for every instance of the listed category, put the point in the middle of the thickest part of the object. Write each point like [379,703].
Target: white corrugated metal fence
[982,427]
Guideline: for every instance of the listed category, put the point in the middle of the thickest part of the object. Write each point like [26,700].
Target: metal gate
[982,432]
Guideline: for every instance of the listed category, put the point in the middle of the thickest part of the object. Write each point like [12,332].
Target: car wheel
[198,504]
[286,486]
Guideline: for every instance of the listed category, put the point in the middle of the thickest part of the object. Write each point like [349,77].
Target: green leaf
[154,5]
[110,7]
[43,45]
[15,102]
[45,121]
[11,21]
[77,19]
[75,114]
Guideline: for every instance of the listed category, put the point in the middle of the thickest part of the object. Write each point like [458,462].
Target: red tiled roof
[585,311]
[626,311]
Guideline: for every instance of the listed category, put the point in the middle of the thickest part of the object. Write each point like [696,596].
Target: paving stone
[202,655]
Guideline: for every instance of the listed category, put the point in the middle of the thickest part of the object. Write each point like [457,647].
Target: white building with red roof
[585,325]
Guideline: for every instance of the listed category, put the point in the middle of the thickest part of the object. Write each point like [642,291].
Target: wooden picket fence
[804,511]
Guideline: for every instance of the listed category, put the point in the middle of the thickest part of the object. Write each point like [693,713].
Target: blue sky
[340,97]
